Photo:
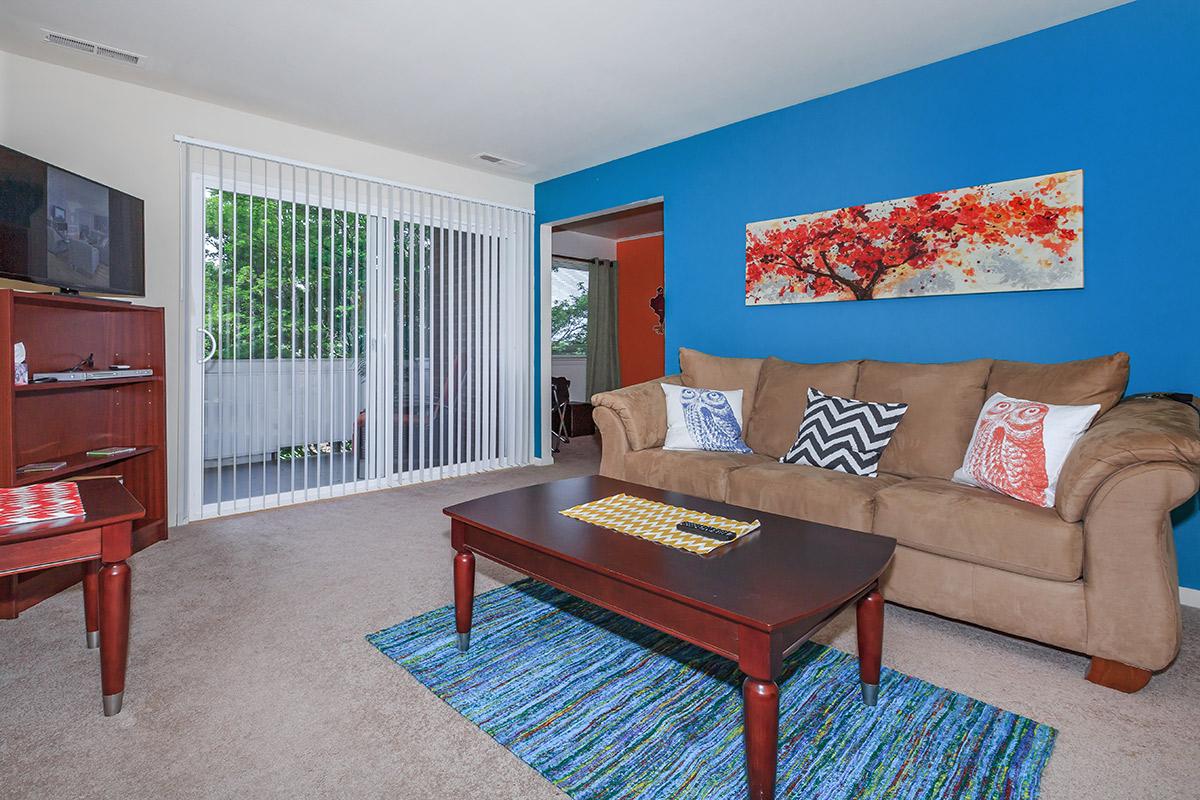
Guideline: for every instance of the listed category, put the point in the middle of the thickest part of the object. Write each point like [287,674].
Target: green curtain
[603,365]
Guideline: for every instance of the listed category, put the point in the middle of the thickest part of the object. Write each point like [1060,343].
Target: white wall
[123,135]
[574,369]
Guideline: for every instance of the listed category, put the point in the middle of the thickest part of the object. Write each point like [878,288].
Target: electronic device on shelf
[91,375]
[61,229]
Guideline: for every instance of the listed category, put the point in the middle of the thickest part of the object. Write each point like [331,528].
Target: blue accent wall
[1116,94]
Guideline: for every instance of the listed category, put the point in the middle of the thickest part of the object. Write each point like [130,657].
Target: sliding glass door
[346,333]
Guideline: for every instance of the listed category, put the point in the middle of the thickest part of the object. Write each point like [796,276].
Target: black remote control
[707,531]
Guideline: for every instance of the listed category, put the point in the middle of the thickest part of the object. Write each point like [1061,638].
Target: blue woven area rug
[607,708]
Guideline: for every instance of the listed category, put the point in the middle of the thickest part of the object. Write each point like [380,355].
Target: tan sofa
[1095,574]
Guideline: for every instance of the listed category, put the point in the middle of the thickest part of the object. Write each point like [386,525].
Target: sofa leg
[1116,675]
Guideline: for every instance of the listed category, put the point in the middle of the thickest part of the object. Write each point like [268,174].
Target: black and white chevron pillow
[845,435]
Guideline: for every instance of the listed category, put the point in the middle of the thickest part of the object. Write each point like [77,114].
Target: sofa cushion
[811,493]
[701,473]
[943,402]
[1072,383]
[781,399]
[981,527]
[717,372]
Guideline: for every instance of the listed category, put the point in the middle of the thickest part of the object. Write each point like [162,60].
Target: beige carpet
[249,675]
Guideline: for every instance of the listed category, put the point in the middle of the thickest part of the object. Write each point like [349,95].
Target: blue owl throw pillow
[704,419]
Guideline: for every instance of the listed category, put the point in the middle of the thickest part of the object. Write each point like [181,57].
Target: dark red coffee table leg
[761,700]
[464,596]
[870,644]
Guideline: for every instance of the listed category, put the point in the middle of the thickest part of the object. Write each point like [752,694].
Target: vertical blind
[346,333]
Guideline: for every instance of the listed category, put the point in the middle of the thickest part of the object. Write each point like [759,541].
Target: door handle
[211,339]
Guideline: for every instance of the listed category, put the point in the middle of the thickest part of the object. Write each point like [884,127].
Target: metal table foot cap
[93,639]
[112,703]
[464,641]
[870,693]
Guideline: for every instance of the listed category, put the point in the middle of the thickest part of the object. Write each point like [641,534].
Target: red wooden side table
[102,540]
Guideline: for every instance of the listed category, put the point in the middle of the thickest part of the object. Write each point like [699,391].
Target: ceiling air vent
[71,42]
[84,46]
[499,161]
[117,55]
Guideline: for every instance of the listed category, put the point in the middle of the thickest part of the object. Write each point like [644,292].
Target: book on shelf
[104,452]
[41,502]
[41,466]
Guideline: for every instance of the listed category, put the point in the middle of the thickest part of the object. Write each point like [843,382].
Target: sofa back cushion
[716,372]
[943,400]
[782,397]
[1072,383]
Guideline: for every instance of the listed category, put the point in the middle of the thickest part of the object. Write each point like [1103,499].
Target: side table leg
[114,634]
[464,596]
[761,700]
[91,602]
[870,644]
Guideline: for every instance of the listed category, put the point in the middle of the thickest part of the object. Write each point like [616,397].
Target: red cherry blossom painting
[1014,236]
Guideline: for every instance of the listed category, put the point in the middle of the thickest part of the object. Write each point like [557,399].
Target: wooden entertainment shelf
[62,421]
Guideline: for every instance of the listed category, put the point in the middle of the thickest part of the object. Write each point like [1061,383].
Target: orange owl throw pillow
[1019,447]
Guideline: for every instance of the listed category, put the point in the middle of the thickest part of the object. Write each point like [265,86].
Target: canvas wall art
[1014,236]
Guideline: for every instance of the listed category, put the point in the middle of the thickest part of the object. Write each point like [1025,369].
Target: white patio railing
[254,407]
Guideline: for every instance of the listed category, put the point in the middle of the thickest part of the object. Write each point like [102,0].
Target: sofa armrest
[1130,575]
[641,410]
[614,446]
[1135,464]
[1136,431]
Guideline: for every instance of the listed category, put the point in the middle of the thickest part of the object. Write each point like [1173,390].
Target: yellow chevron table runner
[655,521]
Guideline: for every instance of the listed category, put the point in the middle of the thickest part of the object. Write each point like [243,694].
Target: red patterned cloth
[40,503]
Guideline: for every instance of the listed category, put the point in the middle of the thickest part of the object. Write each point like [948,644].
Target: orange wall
[639,274]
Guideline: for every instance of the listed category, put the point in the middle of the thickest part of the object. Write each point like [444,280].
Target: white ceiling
[557,84]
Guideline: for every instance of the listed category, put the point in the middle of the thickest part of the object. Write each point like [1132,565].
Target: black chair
[560,412]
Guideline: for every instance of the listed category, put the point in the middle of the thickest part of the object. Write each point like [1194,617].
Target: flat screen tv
[61,229]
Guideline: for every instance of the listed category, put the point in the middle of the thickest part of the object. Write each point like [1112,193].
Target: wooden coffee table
[753,601]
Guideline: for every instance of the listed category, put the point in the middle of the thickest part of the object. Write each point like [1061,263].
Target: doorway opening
[607,306]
